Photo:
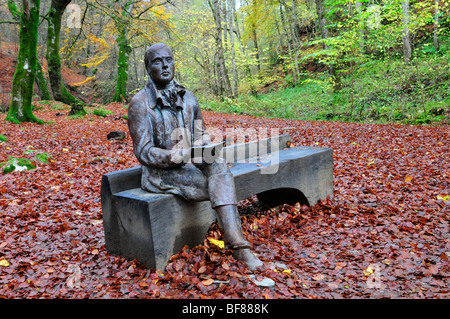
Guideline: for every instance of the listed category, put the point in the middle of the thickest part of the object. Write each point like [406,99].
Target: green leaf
[43,157]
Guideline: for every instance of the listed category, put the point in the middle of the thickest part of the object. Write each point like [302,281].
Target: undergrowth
[382,91]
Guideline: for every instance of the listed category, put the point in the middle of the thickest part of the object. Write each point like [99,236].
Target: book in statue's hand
[208,150]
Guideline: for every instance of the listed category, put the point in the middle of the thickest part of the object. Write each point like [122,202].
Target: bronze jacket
[150,131]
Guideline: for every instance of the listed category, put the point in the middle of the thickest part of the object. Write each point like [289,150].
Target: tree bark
[358,7]
[120,94]
[320,8]
[59,90]
[436,25]
[20,109]
[255,42]
[407,49]
[42,83]
[125,50]
[230,14]
[222,75]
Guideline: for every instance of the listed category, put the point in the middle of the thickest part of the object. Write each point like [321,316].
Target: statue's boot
[234,238]
[231,223]
[223,199]
[248,258]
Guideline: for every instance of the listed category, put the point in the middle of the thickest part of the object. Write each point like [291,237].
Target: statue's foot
[236,243]
[250,260]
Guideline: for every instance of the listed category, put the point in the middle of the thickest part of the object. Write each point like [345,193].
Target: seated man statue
[156,115]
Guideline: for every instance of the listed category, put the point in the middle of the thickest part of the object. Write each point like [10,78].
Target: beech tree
[221,70]
[130,18]
[20,109]
[407,48]
[59,90]
[40,79]
[122,26]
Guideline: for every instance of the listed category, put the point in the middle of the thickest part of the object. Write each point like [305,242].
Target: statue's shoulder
[142,99]
[139,98]
[190,96]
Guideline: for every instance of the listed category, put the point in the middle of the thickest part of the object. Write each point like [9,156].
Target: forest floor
[384,234]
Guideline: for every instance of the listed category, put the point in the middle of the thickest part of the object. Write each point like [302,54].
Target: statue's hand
[179,157]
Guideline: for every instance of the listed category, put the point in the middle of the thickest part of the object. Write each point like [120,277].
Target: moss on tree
[20,109]
[59,90]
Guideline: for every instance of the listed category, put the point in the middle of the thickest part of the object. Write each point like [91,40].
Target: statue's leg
[222,194]
[190,182]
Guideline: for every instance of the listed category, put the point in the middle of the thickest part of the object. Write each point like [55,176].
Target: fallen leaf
[96,222]
[208,282]
[340,265]
[408,178]
[333,285]
[4,263]
[218,243]
[318,277]
[368,271]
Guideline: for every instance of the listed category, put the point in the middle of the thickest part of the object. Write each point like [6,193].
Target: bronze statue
[165,121]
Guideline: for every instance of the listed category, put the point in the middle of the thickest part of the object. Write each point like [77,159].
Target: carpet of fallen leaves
[384,234]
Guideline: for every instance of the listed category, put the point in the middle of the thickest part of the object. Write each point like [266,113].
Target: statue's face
[162,66]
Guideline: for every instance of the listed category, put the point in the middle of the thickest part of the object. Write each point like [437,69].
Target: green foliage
[39,157]
[16,164]
[385,90]
[57,106]
[100,111]
[43,157]
[3,138]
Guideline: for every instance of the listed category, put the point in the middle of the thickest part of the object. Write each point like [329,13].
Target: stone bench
[152,227]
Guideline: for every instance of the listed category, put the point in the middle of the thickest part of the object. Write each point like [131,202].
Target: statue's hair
[149,53]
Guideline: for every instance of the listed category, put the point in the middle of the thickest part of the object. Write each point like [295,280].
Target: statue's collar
[174,85]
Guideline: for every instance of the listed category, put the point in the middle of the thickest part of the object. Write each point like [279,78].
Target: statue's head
[160,64]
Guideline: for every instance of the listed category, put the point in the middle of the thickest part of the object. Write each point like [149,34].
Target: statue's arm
[141,132]
[201,136]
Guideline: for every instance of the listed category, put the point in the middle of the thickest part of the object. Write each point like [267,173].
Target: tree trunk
[20,109]
[230,15]
[358,7]
[407,49]
[42,83]
[59,90]
[222,75]
[255,43]
[123,65]
[320,8]
[436,25]
[124,53]
[290,41]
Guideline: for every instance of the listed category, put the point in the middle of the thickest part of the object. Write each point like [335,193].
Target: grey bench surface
[152,227]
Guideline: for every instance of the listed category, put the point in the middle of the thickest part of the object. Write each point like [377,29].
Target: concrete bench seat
[152,227]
